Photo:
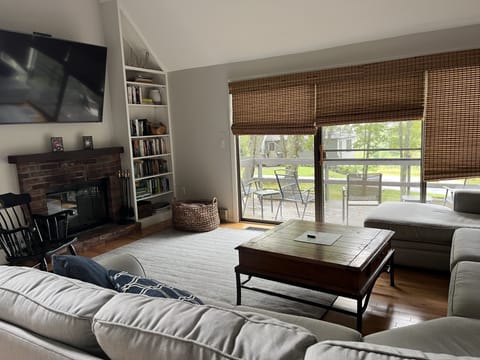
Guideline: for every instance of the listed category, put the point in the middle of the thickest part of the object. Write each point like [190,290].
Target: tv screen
[43,79]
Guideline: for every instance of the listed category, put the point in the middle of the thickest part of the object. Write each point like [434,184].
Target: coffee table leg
[239,288]
[359,314]
[392,271]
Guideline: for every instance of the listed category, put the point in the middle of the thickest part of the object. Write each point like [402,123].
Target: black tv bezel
[47,37]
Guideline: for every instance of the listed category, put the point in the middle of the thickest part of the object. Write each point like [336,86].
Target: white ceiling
[194,33]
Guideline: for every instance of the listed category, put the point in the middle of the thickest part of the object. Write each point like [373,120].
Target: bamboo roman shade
[452,124]
[387,91]
[285,109]
[393,90]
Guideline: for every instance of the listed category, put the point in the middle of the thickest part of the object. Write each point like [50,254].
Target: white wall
[68,19]
[203,144]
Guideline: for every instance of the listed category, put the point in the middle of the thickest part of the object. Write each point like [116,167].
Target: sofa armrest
[123,262]
[359,350]
[467,201]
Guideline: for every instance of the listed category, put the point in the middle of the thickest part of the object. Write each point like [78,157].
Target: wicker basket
[196,216]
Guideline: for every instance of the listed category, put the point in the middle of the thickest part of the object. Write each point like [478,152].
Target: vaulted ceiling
[195,33]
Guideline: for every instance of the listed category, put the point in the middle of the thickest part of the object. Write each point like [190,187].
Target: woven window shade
[378,92]
[295,103]
[452,124]
[274,110]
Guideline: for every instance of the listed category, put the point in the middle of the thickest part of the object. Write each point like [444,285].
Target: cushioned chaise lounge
[423,232]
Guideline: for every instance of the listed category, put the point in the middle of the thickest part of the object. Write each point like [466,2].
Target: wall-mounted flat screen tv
[43,79]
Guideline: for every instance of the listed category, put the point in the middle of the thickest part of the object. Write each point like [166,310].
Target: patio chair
[25,237]
[291,192]
[255,187]
[361,190]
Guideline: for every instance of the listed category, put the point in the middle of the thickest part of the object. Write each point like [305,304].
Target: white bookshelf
[134,71]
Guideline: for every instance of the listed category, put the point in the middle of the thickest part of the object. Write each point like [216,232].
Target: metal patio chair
[291,192]
[361,190]
[254,188]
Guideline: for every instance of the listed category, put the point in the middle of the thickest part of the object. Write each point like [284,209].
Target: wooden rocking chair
[25,237]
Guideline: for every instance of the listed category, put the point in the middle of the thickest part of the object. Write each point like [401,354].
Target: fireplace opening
[88,200]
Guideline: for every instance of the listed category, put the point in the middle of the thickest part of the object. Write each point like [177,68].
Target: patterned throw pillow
[128,283]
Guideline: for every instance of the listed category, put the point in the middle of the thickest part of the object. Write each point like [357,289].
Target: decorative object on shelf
[126,211]
[136,57]
[158,129]
[87,142]
[57,143]
[156,97]
[198,216]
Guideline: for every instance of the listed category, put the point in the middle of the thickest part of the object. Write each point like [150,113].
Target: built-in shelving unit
[142,107]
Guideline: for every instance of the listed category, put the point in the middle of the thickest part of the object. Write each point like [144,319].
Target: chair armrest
[52,216]
[467,201]
[306,193]
[53,228]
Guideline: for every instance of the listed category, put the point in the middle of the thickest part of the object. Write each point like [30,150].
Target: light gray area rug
[203,263]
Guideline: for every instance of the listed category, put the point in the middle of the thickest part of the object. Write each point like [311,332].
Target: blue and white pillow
[128,283]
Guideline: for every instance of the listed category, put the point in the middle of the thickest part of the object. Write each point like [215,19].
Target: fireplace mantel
[39,174]
[64,155]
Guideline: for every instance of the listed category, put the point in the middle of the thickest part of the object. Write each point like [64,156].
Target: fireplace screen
[88,201]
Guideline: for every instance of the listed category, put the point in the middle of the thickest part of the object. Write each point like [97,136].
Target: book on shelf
[140,127]
[149,147]
[134,94]
[149,187]
[150,167]
[143,79]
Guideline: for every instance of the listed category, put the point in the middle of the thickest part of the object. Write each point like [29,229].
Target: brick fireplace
[39,174]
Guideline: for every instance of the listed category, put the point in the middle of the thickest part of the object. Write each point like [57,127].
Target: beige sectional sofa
[423,232]
[46,316]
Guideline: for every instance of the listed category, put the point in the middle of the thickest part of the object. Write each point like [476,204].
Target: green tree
[369,137]
[250,150]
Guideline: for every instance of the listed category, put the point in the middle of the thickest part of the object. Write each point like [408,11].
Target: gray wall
[67,19]
[204,149]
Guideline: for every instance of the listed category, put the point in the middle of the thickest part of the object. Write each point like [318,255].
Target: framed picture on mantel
[57,143]
[88,142]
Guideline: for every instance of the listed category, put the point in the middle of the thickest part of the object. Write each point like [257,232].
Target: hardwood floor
[417,295]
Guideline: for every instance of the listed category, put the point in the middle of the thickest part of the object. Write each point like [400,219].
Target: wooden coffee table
[349,267]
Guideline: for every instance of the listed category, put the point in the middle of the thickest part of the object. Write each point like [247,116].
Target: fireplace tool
[126,210]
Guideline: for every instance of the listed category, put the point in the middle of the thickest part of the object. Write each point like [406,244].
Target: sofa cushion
[465,246]
[449,335]
[50,305]
[427,223]
[329,350]
[464,291]
[17,343]
[467,201]
[81,268]
[128,283]
[322,330]
[140,327]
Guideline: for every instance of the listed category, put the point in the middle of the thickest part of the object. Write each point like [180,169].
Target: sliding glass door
[362,165]
[276,177]
[367,164]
